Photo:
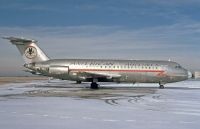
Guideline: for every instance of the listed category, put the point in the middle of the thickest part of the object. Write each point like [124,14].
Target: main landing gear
[94,85]
[78,82]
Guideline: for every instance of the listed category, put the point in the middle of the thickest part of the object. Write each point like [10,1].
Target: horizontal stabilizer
[22,40]
[31,71]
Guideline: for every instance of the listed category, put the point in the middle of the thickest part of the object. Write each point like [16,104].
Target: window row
[123,67]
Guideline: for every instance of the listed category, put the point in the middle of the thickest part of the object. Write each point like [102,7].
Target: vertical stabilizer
[28,49]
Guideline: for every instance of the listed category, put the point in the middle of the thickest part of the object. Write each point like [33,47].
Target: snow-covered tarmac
[63,105]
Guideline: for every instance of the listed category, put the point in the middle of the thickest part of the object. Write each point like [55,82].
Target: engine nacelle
[59,70]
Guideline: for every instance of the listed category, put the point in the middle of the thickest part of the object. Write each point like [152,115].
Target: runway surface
[65,105]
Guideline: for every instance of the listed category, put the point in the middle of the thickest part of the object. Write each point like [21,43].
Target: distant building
[197,74]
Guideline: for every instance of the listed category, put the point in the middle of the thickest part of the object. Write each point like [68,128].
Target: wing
[87,74]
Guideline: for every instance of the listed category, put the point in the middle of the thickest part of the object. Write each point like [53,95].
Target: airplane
[98,70]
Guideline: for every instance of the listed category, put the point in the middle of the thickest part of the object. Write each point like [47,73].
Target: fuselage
[95,70]
[142,71]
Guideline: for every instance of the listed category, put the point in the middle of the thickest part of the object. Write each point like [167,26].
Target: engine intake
[58,70]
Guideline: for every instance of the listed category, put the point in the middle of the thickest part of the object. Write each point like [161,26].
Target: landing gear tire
[78,82]
[94,85]
[161,87]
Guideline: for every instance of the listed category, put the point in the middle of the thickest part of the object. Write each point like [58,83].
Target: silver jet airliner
[95,70]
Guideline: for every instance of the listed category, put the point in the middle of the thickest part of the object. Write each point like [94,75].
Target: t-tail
[29,50]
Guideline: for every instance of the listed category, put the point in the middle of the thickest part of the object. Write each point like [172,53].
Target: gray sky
[122,29]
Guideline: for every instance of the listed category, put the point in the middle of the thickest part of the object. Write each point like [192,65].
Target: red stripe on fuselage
[111,70]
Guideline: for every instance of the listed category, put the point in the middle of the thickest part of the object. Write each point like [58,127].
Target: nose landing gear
[161,85]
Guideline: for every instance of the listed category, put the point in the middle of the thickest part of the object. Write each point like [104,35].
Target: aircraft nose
[189,74]
[184,74]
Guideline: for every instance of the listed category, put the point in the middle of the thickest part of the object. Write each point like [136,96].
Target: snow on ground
[176,107]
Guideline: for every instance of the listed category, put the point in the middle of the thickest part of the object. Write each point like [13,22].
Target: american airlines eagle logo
[30,52]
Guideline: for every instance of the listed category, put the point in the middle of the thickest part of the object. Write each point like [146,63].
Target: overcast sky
[116,29]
